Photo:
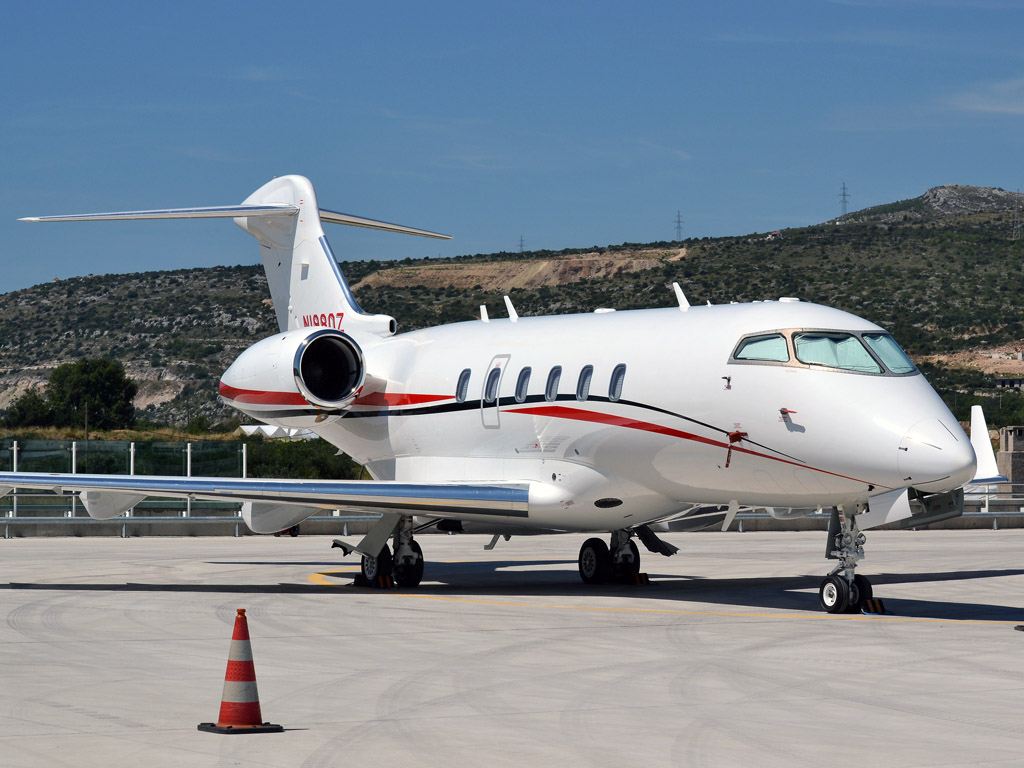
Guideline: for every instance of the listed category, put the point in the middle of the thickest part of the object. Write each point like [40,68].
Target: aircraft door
[490,395]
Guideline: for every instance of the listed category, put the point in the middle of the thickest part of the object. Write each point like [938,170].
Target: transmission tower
[679,225]
[1018,225]
[522,244]
[844,196]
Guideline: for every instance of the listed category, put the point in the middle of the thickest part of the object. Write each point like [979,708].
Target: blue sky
[569,124]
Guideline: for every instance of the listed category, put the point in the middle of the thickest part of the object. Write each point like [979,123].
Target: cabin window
[883,345]
[615,385]
[491,387]
[551,390]
[522,384]
[836,350]
[770,348]
[583,384]
[462,388]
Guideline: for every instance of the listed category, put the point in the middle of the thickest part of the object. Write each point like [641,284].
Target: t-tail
[306,284]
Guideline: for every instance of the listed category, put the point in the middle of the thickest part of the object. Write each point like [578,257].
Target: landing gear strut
[843,590]
[408,556]
[600,563]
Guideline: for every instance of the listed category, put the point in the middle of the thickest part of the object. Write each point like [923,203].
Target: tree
[97,387]
[29,410]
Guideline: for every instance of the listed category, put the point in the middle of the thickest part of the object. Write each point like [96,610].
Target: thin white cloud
[677,154]
[1005,97]
[267,74]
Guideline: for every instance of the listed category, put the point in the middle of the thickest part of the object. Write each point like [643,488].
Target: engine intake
[328,368]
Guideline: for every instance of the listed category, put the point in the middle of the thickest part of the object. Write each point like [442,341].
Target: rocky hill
[941,271]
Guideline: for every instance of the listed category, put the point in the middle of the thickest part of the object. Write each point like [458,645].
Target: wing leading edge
[107,496]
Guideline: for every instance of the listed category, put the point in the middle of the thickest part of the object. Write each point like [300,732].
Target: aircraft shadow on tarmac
[485,580]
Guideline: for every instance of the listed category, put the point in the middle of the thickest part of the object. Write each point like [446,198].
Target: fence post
[131,471]
[74,471]
[14,495]
[188,473]
[245,461]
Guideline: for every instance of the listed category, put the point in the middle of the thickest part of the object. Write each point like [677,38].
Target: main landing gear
[843,590]
[403,568]
[600,563]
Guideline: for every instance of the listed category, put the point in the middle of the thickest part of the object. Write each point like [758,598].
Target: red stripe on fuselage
[260,397]
[596,417]
[392,399]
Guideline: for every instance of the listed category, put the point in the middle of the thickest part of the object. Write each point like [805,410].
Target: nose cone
[936,457]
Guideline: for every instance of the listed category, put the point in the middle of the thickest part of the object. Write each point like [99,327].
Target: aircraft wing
[273,504]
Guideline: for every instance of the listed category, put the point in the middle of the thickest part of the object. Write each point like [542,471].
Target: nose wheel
[843,590]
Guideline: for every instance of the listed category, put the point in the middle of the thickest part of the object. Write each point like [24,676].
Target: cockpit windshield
[883,345]
[836,350]
[869,352]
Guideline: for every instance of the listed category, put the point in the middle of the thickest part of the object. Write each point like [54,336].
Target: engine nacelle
[297,378]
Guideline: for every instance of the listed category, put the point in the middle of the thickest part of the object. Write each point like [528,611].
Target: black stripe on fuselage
[507,402]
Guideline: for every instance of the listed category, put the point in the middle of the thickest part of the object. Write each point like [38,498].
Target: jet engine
[298,378]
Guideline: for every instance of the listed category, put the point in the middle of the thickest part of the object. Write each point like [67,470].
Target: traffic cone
[240,703]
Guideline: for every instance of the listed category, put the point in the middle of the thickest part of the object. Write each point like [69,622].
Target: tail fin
[306,284]
[987,472]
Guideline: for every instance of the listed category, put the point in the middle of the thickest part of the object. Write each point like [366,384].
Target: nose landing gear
[843,590]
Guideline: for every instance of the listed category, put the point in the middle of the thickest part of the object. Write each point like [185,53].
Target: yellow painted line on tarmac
[322,578]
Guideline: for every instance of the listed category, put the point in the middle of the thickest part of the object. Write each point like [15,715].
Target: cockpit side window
[836,350]
[769,348]
[883,345]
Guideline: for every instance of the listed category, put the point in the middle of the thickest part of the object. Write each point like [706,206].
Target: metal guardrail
[212,459]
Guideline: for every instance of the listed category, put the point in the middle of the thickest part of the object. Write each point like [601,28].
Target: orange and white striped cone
[240,703]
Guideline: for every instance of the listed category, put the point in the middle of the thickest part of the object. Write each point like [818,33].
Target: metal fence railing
[216,458]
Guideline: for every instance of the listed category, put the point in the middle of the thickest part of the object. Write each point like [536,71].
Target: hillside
[940,271]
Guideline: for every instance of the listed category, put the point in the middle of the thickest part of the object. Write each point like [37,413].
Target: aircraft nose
[937,457]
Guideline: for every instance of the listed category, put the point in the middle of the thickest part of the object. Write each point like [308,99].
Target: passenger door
[490,394]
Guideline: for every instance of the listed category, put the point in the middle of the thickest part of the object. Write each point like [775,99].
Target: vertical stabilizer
[306,283]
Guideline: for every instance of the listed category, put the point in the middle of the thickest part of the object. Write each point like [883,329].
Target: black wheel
[834,594]
[410,574]
[376,567]
[853,600]
[595,562]
[864,593]
[293,531]
[626,570]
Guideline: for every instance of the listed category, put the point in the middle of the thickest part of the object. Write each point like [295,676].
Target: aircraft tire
[864,593]
[626,572]
[595,562]
[410,574]
[834,594]
[374,568]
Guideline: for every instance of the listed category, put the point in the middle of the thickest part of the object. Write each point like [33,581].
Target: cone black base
[265,728]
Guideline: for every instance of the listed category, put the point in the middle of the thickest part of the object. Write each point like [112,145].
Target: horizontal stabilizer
[240,211]
[333,217]
[216,212]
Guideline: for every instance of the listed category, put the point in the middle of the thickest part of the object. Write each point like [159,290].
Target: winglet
[988,471]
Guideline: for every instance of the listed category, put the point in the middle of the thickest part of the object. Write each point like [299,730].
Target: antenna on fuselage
[512,314]
[483,313]
[680,297]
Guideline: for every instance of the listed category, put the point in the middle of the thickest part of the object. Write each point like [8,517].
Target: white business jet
[603,422]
